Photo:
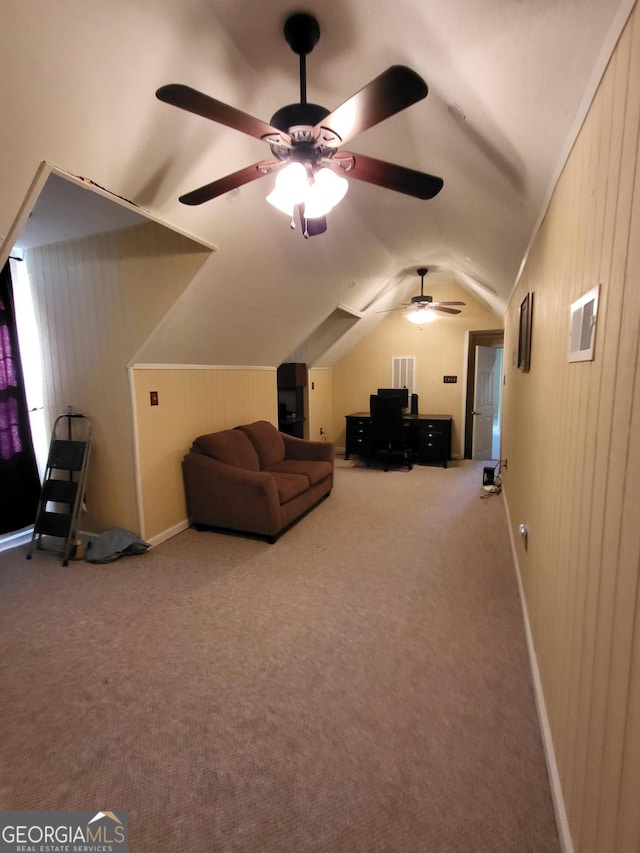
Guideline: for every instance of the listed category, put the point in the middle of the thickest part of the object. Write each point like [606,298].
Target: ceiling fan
[305,138]
[423,305]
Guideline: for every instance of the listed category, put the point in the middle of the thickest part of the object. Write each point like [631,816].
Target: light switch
[154,397]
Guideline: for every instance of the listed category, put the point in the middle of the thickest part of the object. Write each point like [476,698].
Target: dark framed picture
[524,335]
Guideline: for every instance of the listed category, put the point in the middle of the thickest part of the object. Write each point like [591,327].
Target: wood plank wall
[319,412]
[96,300]
[191,402]
[571,435]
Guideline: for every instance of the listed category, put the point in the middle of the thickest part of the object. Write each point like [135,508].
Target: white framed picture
[582,332]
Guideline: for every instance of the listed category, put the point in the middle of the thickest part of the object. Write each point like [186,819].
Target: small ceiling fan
[423,305]
[305,138]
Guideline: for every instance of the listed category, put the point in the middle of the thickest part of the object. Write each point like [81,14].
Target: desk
[430,436]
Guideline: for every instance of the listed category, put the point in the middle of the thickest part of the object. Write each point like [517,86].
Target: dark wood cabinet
[429,436]
[357,434]
[434,440]
[292,374]
[292,381]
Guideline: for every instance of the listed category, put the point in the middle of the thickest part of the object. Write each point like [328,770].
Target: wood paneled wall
[571,434]
[191,402]
[96,300]
[320,406]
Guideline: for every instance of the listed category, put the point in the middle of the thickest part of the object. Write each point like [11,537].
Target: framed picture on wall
[524,333]
[582,332]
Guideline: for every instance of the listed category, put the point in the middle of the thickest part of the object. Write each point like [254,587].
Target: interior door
[484,402]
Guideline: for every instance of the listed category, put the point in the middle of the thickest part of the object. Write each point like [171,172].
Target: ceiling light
[290,188]
[421,315]
[326,190]
[319,193]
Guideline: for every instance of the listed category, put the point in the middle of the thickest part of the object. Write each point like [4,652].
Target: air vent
[403,371]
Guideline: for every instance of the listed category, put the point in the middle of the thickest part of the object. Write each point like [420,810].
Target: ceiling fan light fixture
[326,191]
[281,202]
[319,195]
[291,188]
[421,315]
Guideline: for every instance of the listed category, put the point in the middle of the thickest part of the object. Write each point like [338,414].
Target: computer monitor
[396,392]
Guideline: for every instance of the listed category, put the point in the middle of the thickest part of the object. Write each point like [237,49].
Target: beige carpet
[361,685]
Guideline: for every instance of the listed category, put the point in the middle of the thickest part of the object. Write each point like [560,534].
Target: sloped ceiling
[509,82]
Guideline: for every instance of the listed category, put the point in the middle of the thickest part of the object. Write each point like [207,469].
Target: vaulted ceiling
[509,82]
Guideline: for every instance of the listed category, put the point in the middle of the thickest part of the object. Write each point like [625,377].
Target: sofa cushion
[230,446]
[289,486]
[267,441]
[315,471]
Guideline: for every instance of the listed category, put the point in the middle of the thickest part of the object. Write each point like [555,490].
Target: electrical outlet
[449,380]
[321,431]
[503,463]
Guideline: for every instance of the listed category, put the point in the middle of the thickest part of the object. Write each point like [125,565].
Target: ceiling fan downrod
[422,271]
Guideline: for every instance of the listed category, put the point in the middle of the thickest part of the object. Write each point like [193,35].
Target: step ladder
[62,493]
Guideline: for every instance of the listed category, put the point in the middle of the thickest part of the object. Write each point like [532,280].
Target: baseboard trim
[169,533]
[455,457]
[23,537]
[562,822]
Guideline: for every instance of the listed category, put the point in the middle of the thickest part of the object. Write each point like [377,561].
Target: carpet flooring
[361,685]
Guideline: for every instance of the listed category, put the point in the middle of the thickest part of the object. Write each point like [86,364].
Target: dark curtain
[19,480]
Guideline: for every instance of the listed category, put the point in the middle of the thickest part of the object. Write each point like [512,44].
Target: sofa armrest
[302,448]
[222,495]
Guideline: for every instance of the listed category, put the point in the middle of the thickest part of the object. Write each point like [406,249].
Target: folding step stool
[62,493]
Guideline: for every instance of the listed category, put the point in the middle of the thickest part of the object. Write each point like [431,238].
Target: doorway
[484,395]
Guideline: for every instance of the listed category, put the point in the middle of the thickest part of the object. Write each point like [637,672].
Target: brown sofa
[255,479]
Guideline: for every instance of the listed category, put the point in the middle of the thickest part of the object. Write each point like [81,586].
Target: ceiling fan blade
[388,175]
[196,102]
[446,310]
[452,303]
[230,182]
[395,89]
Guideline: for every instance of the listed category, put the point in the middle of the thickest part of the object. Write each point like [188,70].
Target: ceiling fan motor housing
[298,120]
[301,32]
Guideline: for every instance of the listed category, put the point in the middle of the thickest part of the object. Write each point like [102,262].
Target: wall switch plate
[153,395]
[449,380]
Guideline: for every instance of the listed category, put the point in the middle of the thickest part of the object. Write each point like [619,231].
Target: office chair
[387,431]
